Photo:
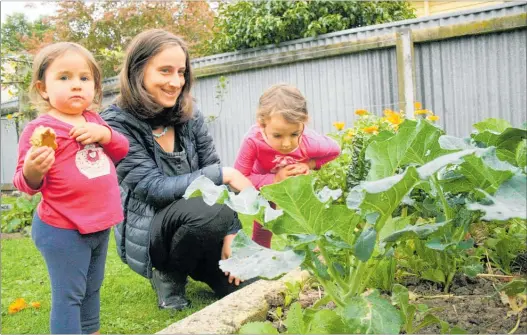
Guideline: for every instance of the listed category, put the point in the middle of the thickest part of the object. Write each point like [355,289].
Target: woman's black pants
[186,240]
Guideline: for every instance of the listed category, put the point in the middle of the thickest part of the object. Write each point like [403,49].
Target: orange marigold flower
[417,105]
[422,112]
[339,125]
[361,112]
[388,112]
[432,117]
[393,117]
[18,305]
[35,304]
[371,129]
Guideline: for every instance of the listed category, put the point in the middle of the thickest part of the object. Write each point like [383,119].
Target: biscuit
[43,137]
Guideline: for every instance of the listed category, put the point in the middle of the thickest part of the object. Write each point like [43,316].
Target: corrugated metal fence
[468,66]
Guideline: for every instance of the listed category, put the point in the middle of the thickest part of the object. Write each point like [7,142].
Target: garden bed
[227,315]
[473,305]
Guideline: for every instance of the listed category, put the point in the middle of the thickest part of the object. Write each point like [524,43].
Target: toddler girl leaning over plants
[280,145]
[68,154]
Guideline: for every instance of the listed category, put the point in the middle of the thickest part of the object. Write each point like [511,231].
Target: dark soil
[475,306]
[472,304]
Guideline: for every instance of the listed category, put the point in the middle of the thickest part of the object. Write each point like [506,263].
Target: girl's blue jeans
[75,265]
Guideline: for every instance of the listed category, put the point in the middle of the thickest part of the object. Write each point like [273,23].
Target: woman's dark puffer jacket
[145,189]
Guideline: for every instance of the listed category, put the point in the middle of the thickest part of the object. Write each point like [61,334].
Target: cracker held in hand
[43,137]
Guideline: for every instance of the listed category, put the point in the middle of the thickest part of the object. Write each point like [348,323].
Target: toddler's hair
[43,60]
[285,100]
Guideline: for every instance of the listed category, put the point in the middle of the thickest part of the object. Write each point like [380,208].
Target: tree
[106,27]
[247,24]
[103,27]
[20,38]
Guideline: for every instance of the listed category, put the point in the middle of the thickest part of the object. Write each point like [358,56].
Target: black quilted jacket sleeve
[139,170]
[205,148]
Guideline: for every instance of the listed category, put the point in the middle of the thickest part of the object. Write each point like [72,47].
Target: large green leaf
[250,260]
[394,224]
[347,232]
[327,321]
[494,125]
[416,143]
[414,232]
[509,201]
[258,328]
[295,320]
[521,154]
[384,195]
[400,297]
[371,314]
[249,203]
[488,130]
[486,173]
[508,142]
[296,198]
[428,169]
[448,142]
[436,243]
[365,243]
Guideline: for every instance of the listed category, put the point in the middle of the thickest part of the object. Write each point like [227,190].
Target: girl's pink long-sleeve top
[259,162]
[80,191]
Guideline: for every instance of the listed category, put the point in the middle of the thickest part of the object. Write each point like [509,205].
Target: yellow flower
[35,304]
[361,112]
[18,305]
[417,105]
[339,125]
[9,116]
[422,112]
[393,117]
[432,117]
[371,129]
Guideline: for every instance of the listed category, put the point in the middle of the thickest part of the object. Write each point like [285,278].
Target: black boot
[170,289]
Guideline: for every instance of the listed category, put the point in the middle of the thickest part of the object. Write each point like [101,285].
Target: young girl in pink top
[80,194]
[280,146]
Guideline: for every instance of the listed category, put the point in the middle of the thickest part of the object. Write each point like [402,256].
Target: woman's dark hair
[134,97]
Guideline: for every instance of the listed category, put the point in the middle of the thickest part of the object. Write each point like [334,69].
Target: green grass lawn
[128,303]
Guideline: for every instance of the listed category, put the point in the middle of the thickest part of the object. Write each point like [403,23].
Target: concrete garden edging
[227,315]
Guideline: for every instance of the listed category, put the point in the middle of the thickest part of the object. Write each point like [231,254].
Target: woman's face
[165,75]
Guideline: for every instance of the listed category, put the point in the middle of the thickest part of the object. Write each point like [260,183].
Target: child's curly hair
[285,100]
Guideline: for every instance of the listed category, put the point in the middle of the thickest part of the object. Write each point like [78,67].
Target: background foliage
[248,24]
[106,27]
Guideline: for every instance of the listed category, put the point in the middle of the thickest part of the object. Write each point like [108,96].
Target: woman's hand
[235,179]
[226,253]
[37,163]
[90,132]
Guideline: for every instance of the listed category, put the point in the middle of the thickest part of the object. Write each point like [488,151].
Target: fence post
[405,71]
